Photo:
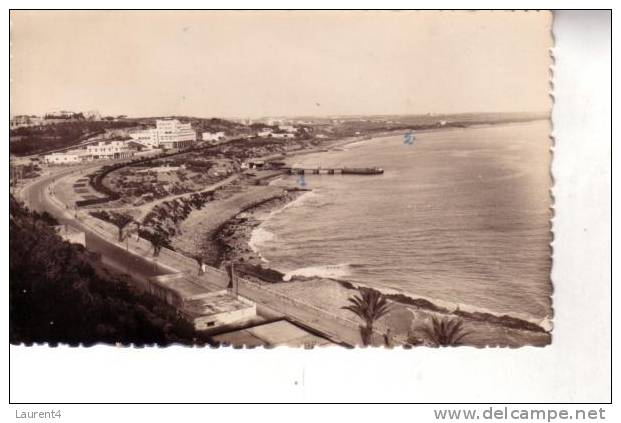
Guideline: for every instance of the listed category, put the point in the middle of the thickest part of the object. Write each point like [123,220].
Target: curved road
[118,258]
[112,255]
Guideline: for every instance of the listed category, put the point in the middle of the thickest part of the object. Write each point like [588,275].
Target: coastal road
[35,198]
[133,262]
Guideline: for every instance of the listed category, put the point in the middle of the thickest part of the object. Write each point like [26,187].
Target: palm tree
[120,220]
[370,306]
[157,240]
[445,332]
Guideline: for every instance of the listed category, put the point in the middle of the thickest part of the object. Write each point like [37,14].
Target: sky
[253,64]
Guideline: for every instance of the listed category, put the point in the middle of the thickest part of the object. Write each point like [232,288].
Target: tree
[157,240]
[445,332]
[370,306]
[199,261]
[120,220]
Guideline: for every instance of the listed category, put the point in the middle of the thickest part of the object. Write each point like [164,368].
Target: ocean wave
[301,200]
[334,271]
[258,238]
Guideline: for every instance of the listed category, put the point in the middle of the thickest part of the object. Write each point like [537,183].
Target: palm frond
[369,305]
[445,332]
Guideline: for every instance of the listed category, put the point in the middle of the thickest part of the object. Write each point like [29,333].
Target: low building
[146,137]
[283,135]
[103,150]
[173,288]
[67,157]
[217,309]
[264,133]
[213,136]
[204,309]
[71,234]
[253,164]
[287,128]
[109,150]
[281,332]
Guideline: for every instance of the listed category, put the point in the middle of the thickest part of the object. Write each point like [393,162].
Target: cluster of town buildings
[22,121]
[123,143]
[168,134]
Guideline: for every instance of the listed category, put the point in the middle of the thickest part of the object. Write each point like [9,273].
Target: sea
[460,217]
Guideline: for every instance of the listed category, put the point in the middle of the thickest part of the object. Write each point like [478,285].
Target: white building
[169,133]
[109,150]
[204,309]
[213,136]
[215,309]
[266,132]
[173,134]
[67,157]
[103,150]
[282,135]
[146,137]
[71,234]
[287,128]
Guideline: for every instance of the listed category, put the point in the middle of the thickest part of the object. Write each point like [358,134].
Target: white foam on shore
[259,237]
[334,271]
[308,195]
[545,323]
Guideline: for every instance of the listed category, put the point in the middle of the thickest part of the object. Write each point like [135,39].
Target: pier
[334,171]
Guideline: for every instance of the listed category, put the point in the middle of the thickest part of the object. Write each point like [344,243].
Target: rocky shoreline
[234,236]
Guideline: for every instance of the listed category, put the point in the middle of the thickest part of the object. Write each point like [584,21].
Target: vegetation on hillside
[59,293]
[43,138]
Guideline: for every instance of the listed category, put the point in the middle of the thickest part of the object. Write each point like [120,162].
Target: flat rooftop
[214,303]
[179,283]
[67,230]
[281,332]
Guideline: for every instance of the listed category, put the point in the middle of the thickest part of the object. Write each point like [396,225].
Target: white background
[575,368]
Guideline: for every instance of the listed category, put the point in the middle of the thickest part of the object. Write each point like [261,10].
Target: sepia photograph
[309,179]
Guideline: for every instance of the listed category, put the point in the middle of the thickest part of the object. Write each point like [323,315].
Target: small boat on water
[362,170]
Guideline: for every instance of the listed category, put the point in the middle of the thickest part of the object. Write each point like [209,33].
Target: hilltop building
[167,134]
[174,134]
